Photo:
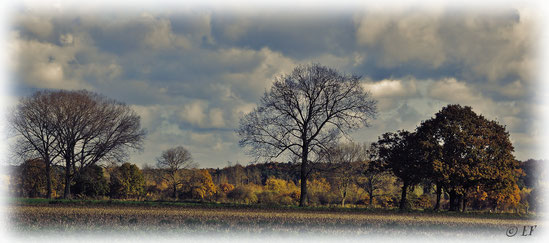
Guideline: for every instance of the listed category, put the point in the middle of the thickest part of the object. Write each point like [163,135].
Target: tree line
[271,183]
[459,155]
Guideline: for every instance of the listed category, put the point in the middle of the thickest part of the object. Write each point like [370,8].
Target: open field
[28,217]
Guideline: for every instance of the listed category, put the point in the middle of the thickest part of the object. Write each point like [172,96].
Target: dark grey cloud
[297,34]
[191,74]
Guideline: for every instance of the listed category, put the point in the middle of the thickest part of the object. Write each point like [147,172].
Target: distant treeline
[266,183]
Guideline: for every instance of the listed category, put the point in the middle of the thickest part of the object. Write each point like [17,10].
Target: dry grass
[191,220]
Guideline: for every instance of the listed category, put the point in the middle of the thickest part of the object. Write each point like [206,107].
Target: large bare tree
[304,112]
[173,161]
[90,128]
[33,123]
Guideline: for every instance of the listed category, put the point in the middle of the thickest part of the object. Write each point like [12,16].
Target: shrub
[91,183]
[202,186]
[127,181]
[243,194]
[268,197]
[423,201]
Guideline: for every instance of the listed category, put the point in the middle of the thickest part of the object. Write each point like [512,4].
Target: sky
[192,71]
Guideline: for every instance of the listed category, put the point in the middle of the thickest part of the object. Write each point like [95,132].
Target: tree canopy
[173,161]
[466,150]
[81,127]
[400,154]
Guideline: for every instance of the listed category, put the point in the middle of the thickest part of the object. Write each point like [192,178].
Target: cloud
[453,91]
[39,26]
[474,45]
[161,35]
[404,36]
[389,91]
[191,74]
[194,113]
[44,65]
[216,118]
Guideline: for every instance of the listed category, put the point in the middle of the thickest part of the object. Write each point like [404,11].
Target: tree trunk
[370,190]
[464,204]
[175,191]
[459,203]
[48,179]
[403,196]
[453,201]
[67,193]
[439,193]
[343,199]
[371,197]
[304,162]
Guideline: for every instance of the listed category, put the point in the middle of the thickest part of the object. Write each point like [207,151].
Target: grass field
[43,216]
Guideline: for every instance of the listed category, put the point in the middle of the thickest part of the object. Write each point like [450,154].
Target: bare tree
[173,161]
[33,122]
[90,128]
[345,162]
[373,178]
[304,112]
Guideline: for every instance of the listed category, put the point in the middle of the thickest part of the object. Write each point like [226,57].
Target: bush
[243,194]
[423,201]
[91,183]
[386,201]
[201,185]
[268,197]
[127,181]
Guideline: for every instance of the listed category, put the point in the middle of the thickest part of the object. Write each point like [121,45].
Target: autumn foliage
[457,160]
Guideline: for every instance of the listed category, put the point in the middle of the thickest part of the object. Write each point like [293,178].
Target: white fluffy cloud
[455,92]
[194,114]
[403,36]
[492,45]
[389,92]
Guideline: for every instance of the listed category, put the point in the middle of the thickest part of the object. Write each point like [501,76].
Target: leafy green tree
[33,179]
[91,182]
[400,154]
[127,181]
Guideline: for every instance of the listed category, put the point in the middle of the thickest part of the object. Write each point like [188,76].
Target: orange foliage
[226,187]
[202,185]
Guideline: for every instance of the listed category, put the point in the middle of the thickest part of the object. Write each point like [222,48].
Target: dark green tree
[400,154]
[33,178]
[127,181]
[91,182]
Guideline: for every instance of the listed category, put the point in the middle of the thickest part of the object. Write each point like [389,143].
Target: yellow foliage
[226,187]
[424,201]
[319,185]
[280,186]
[202,185]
